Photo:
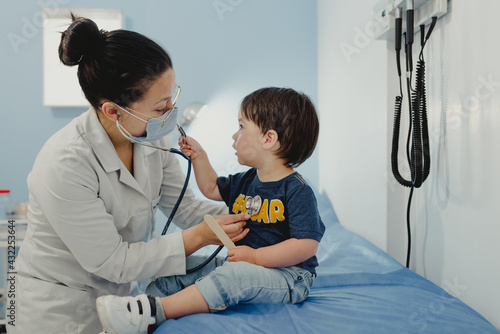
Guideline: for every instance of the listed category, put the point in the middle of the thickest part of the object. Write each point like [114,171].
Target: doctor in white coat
[94,193]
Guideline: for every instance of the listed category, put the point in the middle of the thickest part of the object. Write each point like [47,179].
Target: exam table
[359,289]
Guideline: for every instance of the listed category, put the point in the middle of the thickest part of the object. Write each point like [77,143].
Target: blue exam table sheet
[359,289]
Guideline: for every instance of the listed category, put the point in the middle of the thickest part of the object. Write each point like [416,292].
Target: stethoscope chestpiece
[252,205]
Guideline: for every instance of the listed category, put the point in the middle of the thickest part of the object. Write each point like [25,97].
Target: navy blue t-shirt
[289,210]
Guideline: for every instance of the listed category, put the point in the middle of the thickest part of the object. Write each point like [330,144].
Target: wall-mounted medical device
[408,17]
[423,12]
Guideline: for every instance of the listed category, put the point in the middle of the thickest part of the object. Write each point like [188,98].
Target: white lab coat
[90,223]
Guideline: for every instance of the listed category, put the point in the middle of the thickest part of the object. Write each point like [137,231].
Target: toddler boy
[275,262]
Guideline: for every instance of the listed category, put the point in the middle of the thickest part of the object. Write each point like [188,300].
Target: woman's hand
[201,235]
[233,225]
[242,253]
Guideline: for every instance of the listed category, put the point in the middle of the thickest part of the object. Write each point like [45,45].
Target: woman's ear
[271,140]
[111,111]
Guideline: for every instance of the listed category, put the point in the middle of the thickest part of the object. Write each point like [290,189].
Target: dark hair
[118,65]
[291,114]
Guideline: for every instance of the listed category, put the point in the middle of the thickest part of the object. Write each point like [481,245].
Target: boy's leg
[227,285]
[239,282]
[134,314]
[185,302]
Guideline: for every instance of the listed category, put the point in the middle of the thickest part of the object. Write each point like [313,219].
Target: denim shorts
[223,284]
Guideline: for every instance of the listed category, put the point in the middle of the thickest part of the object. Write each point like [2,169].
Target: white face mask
[156,128]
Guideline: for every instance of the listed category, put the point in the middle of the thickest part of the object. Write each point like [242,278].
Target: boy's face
[248,142]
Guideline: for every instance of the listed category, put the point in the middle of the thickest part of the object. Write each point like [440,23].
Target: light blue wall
[217,58]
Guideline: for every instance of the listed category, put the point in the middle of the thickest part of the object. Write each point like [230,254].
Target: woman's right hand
[233,225]
[201,235]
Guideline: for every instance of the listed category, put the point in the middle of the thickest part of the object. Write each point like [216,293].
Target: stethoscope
[181,195]
[188,174]
[253,204]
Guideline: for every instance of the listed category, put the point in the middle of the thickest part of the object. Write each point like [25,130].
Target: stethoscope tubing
[181,196]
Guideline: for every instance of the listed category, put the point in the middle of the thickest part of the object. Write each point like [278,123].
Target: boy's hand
[242,253]
[190,147]
[206,177]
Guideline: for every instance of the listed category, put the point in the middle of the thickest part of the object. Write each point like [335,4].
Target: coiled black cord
[419,157]
[418,154]
[420,108]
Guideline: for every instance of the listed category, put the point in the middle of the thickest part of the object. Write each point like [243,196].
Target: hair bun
[81,41]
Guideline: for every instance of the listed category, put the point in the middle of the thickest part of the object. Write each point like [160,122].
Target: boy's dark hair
[291,114]
[117,65]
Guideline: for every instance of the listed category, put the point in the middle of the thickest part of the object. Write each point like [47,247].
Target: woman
[93,193]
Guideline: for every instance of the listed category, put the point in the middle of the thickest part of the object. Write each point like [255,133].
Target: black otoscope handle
[409,33]
[399,29]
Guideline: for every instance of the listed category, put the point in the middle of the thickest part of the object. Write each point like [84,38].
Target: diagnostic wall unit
[385,10]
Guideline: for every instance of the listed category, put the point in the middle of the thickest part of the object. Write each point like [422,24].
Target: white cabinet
[60,83]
